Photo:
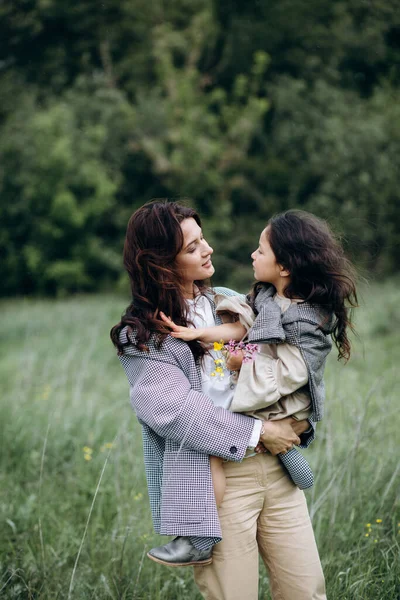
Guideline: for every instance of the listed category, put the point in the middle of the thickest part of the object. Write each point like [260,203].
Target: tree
[60,171]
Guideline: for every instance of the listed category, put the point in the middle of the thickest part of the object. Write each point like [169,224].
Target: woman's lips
[207,264]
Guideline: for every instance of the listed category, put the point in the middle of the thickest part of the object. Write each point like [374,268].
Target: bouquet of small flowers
[231,348]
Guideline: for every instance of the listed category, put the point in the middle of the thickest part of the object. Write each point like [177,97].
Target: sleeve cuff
[308,436]
[255,436]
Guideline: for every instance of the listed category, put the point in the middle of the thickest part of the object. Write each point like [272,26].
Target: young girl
[305,287]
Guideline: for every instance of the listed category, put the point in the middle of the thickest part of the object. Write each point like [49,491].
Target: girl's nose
[253,255]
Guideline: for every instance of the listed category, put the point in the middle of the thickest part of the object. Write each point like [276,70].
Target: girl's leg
[218,478]
[233,574]
[286,538]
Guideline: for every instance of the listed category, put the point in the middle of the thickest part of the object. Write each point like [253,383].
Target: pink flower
[249,350]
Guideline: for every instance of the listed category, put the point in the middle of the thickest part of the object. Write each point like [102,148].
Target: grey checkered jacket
[181,427]
[304,325]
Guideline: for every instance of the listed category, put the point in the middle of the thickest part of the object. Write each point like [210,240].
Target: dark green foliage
[60,173]
[246,108]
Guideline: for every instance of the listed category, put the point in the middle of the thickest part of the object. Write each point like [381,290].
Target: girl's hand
[278,436]
[234,361]
[177,331]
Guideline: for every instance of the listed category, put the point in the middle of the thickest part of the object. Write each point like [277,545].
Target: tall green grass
[74,515]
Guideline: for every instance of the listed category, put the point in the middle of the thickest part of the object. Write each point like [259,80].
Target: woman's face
[194,260]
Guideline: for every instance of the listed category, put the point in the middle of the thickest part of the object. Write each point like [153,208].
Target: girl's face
[266,269]
[194,260]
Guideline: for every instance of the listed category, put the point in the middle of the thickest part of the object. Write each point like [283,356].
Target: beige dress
[272,386]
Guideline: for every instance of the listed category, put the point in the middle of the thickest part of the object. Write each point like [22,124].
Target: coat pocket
[186,479]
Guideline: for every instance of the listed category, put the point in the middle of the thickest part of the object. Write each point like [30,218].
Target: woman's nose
[207,248]
[253,255]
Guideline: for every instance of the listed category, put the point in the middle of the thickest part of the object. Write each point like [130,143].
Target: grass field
[74,515]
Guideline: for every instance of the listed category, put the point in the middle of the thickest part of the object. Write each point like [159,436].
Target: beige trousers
[263,512]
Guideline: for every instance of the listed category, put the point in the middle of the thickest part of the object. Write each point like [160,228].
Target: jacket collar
[316,314]
[210,298]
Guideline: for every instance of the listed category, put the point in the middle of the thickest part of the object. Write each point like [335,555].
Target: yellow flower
[87,450]
[138,496]
[88,457]
[367,535]
[106,446]
[218,346]
[368,525]
[379,520]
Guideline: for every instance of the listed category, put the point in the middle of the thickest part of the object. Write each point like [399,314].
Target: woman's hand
[178,331]
[260,448]
[299,427]
[278,436]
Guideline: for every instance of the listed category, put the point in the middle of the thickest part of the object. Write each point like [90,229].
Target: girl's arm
[227,331]
[266,379]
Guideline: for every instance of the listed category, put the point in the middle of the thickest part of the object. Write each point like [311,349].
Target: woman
[168,262]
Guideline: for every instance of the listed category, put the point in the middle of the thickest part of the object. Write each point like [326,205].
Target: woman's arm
[163,398]
[227,331]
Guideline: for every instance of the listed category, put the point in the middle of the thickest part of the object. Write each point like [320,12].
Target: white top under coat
[219,389]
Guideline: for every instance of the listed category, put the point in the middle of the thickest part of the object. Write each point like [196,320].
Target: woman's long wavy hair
[319,271]
[153,240]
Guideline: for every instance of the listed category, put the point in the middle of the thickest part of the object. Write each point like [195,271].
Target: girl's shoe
[180,552]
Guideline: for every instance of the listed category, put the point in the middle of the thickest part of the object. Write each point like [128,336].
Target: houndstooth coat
[181,428]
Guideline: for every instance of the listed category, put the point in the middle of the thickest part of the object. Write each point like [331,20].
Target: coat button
[233,449]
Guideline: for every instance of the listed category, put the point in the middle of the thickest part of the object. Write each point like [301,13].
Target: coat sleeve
[268,378]
[308,436]
[288,371]
[162,398]
[315,346]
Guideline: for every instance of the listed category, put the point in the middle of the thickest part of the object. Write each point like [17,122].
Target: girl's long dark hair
[153,240]
[319,271]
